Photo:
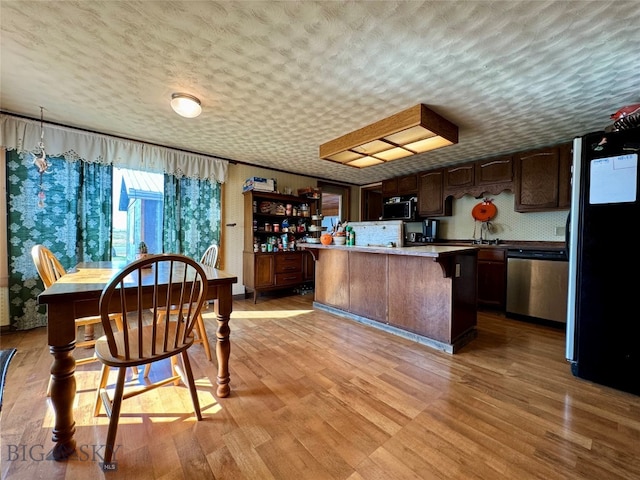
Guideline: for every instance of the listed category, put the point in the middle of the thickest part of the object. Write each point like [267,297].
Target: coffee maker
[430,230]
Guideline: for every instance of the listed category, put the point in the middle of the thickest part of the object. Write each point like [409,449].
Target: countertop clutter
[501,244]
[527,245]
[418,251]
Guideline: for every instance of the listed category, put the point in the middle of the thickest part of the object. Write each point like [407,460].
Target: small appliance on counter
[424,231]
[412,232]
[414,237]
[430,230]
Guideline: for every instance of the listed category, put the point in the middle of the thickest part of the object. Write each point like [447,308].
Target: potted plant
[142,250]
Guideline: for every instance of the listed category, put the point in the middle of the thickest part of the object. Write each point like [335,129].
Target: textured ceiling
[277,79]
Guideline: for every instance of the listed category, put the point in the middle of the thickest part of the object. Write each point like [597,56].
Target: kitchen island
[427,294]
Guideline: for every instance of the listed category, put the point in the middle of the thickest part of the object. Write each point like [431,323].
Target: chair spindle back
[48,266]
[210,256]
[147,281]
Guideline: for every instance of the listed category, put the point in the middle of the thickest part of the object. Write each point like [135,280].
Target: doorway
[335,202]
[371,203]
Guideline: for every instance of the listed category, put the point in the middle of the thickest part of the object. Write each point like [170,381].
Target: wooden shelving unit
[281,221]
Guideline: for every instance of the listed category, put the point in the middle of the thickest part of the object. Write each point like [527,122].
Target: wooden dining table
[77,294]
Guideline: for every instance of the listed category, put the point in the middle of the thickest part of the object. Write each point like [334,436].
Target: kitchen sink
[496,241]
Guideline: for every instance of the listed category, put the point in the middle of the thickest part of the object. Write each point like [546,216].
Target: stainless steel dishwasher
[537,285]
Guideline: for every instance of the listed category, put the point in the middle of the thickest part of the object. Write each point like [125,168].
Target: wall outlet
[560,231]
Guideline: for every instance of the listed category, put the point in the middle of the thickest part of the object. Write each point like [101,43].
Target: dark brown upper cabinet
[400,186]
[564,179]
[495,171]
[431,199]
[459,176]
[479,178]
[390,187]
[537,180]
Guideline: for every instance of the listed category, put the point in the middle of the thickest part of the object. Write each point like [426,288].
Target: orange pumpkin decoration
[484,211]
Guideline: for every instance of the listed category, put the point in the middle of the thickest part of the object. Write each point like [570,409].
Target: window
[137,212]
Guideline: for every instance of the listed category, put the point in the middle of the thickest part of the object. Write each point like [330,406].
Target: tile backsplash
[506,225]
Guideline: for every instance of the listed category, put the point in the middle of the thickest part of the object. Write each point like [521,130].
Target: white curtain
[24,136]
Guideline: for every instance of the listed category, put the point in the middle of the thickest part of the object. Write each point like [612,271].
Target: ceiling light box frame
[415,130]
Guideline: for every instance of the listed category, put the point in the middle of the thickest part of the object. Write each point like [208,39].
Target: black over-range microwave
[404,210]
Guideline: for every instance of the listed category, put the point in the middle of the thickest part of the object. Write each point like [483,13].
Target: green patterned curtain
[95,212]
[192,215]
[75,224]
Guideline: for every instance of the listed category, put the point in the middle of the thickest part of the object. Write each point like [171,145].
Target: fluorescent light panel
[415,130]
[365,162]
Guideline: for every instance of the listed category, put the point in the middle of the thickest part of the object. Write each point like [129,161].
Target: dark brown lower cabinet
[273,271]
[492,278]
[309,267]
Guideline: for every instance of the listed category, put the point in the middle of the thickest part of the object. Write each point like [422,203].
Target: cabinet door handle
[455,169]
[495,162]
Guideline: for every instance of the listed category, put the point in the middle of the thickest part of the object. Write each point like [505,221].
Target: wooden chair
[50,269]
[144,339]
[209,258]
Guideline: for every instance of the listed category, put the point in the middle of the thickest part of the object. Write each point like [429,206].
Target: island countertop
[434,251]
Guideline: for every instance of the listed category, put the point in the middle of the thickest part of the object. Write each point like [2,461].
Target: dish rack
[315,229]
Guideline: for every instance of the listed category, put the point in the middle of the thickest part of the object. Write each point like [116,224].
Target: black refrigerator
[603,308]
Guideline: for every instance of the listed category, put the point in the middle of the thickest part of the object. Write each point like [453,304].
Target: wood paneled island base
[427,294]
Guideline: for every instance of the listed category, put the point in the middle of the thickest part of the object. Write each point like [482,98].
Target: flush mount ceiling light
[415,130]
[186,105]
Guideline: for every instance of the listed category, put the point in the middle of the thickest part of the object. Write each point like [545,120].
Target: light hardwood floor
[316,396]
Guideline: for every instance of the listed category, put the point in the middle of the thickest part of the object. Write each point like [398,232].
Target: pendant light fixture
[186,105]
[40,161]
[412,131]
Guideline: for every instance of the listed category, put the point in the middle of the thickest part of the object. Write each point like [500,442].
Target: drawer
[288,278]
[288,263]
[492,254]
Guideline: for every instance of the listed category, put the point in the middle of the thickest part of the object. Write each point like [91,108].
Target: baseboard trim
[429,342]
